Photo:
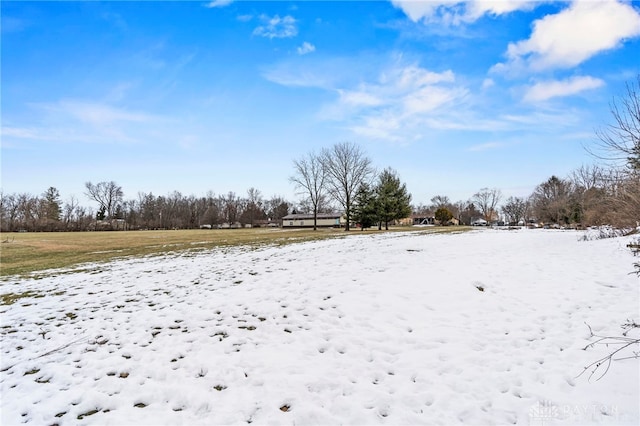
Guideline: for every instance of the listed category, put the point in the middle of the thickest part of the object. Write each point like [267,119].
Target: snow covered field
[373,329]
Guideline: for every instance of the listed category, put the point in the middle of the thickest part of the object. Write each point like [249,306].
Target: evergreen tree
[364,206]
[443,215]
[102,213]
[393,201]
[52,204]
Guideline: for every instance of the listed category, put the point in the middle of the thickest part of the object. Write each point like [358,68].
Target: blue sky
[222,96]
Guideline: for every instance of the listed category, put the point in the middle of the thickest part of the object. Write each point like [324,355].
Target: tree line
[342,177]
[147,211]
[606,193]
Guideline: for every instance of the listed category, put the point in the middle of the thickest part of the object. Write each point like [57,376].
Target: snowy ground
[382,329]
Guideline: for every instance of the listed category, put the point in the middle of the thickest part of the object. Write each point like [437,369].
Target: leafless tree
[232,207]
[624,198]
[553,200]
[620,141]
[440,201]
[68,211]
[310,180]
[9,208]
[486,200]
[588,177]
[106,194]
[514,209]
[347,167]
[254,208]
[277,208]
[460,207]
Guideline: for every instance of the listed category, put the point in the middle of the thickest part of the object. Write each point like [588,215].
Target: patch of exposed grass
[41,251]
[11,298]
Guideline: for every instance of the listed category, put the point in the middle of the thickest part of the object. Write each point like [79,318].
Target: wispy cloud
[552,89]
[306,48]
[244,18]
[19,132]
[218,3]
[401,100]
[80,121]
[573,35]
[277,27]
[313,71]
[94,113]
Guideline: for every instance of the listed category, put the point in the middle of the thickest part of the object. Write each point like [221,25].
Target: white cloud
[478,8]
[573,35]
[219,3]
[399,104]
[487,83]
[418,10]
[244,18]
[552,89]
[359,98]
[456,12]
[277,27]
[306,48]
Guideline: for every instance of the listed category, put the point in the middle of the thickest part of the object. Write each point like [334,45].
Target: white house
[306,220]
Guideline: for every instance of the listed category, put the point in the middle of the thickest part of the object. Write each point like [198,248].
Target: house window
[290,223]
[302,223]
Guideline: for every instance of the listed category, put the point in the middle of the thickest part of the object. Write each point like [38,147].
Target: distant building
[325,220]
[423,219]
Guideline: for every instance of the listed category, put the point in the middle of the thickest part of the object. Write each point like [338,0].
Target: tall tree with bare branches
[620,140]
[310,178]
[620,145]
[486,200]
[347,168]
[106,194]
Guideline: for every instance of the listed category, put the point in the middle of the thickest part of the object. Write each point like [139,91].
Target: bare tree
[232,207]
[486,200]
[620,144]
[278,208]
[347,167]
[68,211]
[620,141]
[623,198]
[588,177]
[254,209]
[106,194]
[310,178]
[590,185]
[514,209]
[440,201]
[9,208]
[552,200]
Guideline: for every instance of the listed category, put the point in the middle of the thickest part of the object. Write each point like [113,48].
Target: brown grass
[25,253]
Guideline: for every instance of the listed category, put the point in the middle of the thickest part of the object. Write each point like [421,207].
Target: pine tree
[52,204]
[393,201]
[364,208]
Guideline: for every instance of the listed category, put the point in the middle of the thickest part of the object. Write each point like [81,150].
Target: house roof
[303,216]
